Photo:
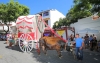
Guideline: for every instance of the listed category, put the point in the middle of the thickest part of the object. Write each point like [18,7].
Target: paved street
[16,56]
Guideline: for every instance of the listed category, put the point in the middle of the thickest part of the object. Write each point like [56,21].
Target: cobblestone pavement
[16,56]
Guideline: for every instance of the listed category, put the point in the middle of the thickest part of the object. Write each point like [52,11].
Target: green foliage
[81,9]
[11,11]
[91,5]
[55,25]
[61,22]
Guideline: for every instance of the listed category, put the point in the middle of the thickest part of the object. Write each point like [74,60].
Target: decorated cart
[29,29]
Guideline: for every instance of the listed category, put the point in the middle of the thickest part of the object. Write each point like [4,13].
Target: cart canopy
[30,23]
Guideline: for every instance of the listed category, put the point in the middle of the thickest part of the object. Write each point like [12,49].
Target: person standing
[90,41]
[94,43]
[7,40]
[94,36]
[86,41]
[83,38]
[11,40]
[71,37]
[79,47]
[90,38]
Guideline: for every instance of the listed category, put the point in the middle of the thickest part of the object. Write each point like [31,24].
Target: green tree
[55,25]
[81,9]
[85,4]
[10,11]
[61,22]
[58,24]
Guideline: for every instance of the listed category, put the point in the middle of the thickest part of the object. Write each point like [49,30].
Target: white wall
[55,16]
[49,23]
[87,23]
[1,27]
[5,27]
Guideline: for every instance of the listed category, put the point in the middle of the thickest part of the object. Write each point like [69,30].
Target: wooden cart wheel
[26,43]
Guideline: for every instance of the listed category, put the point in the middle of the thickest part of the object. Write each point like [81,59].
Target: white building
[87,26]
[3,26]
[51,16]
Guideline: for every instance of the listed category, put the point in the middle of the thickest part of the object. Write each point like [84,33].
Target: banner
[60,32]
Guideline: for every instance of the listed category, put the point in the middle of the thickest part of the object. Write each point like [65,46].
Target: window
[45,13]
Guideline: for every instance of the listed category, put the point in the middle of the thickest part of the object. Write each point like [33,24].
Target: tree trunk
[7,27]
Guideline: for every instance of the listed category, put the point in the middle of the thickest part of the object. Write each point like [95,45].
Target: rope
[40,29]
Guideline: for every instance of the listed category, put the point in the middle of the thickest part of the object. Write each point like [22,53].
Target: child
[11,40]
[7,41]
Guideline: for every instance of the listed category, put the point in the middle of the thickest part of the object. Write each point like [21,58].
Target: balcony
[45,15]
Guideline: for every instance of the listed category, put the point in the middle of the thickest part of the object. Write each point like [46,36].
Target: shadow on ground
[16,48]
[52,57]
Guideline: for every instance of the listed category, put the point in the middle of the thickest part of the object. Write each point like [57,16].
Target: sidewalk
[16,56]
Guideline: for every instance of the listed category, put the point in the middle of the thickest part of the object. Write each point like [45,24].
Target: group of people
[3,37]
[89,41]
[92,43]
[84,42]
[10,39]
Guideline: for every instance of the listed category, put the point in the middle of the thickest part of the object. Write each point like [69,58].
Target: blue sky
[37,6]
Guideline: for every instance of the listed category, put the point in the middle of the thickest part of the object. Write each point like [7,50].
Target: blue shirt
[90,38]
[78,42]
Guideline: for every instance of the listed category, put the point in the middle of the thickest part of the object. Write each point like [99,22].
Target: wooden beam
[46,19]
